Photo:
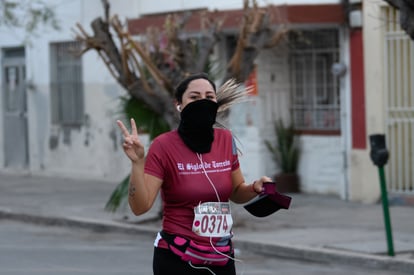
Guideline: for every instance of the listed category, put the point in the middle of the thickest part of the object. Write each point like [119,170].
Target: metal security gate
[15,129]
[399,104]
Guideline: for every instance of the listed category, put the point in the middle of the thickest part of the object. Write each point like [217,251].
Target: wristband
[253,190]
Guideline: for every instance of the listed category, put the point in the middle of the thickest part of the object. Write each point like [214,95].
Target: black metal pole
[385,207]
[379,155]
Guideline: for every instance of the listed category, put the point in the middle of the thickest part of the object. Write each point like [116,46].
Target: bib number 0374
[212,219]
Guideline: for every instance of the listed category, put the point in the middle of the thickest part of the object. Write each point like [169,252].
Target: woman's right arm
[143,188]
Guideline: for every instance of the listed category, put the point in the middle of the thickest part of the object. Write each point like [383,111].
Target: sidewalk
[316,228]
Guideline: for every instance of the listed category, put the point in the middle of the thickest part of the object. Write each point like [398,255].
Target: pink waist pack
[197,254]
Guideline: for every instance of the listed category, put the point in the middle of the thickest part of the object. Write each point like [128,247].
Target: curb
[326,255]
[84,223]
[297,252]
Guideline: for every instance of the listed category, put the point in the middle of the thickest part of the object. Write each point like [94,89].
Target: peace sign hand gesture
[132,146]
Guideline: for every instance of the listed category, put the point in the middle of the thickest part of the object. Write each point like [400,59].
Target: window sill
[311,132]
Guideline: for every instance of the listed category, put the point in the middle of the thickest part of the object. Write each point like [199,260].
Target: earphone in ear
[179,108]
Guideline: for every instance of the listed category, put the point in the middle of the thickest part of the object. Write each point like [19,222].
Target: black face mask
[196,125]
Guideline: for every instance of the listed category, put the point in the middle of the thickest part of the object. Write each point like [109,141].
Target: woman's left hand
[258,184]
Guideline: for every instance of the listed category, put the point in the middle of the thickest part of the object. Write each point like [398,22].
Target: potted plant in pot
[285,152]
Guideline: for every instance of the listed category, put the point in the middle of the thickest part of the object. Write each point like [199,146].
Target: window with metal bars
[314,89]
[398,86]
[67,96]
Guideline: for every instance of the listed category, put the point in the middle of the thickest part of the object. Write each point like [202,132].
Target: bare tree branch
[150,70]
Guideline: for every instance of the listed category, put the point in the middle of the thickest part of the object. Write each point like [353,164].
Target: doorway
[16,153]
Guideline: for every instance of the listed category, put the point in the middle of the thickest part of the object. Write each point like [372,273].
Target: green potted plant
[285,152]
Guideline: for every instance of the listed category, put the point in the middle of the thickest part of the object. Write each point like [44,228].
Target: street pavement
[318,228]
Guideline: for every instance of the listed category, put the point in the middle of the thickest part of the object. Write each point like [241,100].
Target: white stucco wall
[322,165]
[93,150]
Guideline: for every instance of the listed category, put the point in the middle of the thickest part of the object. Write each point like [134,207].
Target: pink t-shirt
[184,183]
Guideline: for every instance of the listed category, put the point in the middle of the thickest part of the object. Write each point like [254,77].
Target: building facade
[389,70]
[323,78]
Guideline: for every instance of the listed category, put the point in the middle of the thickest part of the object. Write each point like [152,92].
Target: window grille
[314,89]
[66,84]
[399,103]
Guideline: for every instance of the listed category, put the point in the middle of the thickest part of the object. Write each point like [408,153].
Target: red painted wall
[359,135]
[303,14]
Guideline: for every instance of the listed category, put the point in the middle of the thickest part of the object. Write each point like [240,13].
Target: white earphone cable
[218,198]
[208,178]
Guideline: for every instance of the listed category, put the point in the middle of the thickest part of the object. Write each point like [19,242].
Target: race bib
[212,219]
